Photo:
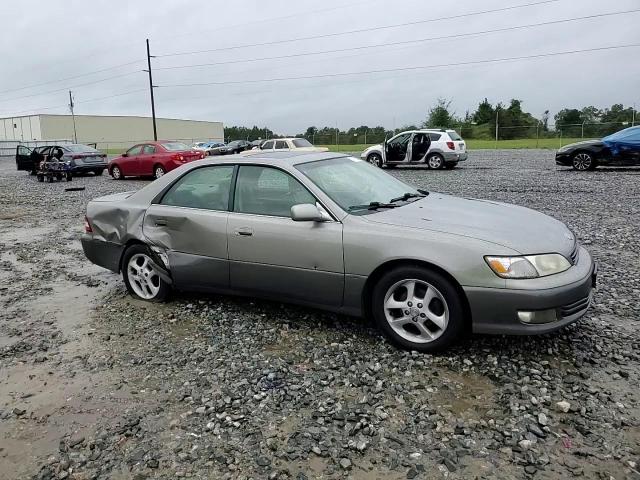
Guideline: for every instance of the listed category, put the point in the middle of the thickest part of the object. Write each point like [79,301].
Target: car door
[147,159]
[130,165]
[395,150]
[272,255]
[189,223]
[24,158]
[629,148]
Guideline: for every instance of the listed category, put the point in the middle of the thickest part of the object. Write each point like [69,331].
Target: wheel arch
[380,270]
[125,247]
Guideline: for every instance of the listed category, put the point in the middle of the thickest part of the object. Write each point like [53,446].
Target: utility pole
[497,117]
[75,135]
[151,87]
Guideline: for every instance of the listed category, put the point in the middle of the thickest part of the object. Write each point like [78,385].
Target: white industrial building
[108,132]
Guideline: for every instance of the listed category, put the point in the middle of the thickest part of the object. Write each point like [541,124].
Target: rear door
[269,253]
[189,223]
[147,159]
[24,158]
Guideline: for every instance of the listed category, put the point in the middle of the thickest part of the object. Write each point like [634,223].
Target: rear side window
[434,137]
[454,136]
[206,188]
[302,143]
[281,145]
[147,149]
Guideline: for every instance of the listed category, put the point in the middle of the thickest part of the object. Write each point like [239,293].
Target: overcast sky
[42,42]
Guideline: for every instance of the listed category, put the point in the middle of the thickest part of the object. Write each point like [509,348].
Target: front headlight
[528,266]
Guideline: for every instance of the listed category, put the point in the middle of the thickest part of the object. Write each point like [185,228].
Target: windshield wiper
[407,196]
[372,206]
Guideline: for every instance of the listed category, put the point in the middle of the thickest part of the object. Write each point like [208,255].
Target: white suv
[437,148]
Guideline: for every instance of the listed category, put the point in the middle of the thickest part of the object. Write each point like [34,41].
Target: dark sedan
[622,149]
[238,146]
[78,158]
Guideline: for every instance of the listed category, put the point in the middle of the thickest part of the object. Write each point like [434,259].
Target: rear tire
[450,166]
[116,173]
[141,280]
[158,171]
[418,309]
[435,161]
[40,178]
[69,177]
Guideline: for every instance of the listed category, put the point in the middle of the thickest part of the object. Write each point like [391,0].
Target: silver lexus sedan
[332,231]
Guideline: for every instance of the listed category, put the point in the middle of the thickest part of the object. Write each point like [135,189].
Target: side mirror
[125,154]
[306,212]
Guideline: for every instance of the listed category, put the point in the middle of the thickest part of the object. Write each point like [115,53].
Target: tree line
[512,122]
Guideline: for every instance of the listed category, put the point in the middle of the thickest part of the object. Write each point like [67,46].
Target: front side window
[353,183]
[281,145]
[134,150]
[400,139]
[268,191]
[267,145]
[206,188]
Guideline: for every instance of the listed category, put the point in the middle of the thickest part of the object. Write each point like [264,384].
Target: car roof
[273,158]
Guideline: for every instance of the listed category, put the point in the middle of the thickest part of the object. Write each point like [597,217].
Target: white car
[437,148]
[288,144]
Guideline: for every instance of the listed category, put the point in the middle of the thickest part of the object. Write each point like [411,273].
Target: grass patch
[545,143]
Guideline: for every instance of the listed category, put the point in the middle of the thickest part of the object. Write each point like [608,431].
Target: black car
[78,158]
[622,149]
[238,146]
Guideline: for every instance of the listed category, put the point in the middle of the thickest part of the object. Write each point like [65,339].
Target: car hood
[585,143]
[519,228]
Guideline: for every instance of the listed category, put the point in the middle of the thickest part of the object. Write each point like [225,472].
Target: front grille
[575,307]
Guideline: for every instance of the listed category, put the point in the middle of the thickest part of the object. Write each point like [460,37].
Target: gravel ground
[94,384]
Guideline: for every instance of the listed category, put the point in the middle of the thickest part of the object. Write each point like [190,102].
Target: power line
[423,67]
[404,42]
[90,100]
[33,85]
[362,30]
[72,86]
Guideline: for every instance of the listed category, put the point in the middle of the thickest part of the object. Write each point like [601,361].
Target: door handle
[161,222]
[244,231]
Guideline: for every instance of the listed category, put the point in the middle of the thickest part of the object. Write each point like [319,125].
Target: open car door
[25,159]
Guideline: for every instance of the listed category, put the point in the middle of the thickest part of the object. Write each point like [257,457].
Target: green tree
[440,115]
[485,113]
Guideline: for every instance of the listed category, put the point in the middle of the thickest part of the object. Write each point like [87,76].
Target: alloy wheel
[416,310]
[375,160]
[116,173]
[582,161]
[144,280]
[158,172]
[435,162]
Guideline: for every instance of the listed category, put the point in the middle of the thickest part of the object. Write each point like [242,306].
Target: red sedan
[152,159]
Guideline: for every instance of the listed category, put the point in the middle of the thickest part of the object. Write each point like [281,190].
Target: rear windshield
[454,136]
[80,149]
[302,143]
[175,146]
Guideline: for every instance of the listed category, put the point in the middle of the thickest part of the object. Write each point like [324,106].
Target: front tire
[98,172]
[418,309]
[116,173]
[435,161]
[375,160]
[140,278]
[583,161]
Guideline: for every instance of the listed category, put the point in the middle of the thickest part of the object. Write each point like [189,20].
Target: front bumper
[102,253]
[564,159]
[495,310]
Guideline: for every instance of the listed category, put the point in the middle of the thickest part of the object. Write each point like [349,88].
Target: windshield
[627,132]
[354,183]
[80,148]
[302,143]
[175,146]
